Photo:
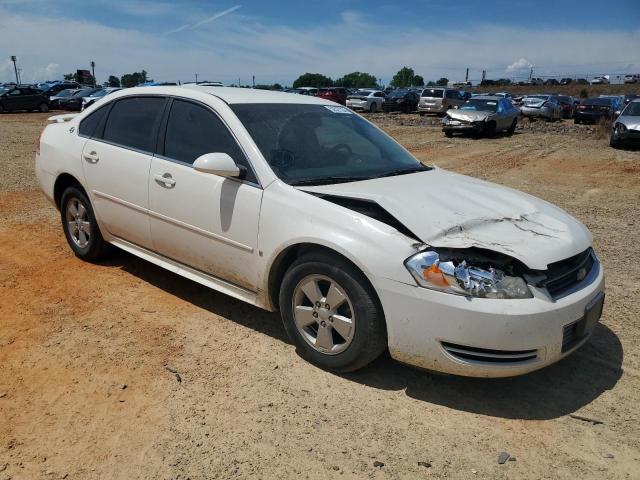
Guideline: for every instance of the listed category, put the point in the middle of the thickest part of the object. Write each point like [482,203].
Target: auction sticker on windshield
[338,109]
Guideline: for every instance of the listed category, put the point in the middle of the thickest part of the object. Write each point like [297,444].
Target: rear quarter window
[89,124]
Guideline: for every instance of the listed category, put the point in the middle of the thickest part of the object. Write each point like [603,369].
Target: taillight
[582,107]
[444,102]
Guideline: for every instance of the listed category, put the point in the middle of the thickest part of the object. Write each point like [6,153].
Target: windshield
[84,92]
[479,105]
[321,144]
[398,93]
[538,97]
[100,93]
[65,93]
[598,101]
[363,93]
[632,110]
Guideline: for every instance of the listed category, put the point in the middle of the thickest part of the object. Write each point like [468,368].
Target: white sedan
[366,100]
[294,203]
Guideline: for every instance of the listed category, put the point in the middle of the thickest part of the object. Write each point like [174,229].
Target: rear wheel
[331,313]
[80,226]
[373,108]
[2,108]
[44,107]
[512,128]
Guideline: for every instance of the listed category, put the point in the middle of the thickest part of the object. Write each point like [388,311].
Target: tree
[312,80]
[133,79]
[113,81]
[69,76]
[406,77]
[442,82]
[357,80]
[431,83]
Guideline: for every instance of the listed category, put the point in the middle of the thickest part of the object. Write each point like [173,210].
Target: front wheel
[512,128]
[331,313]
[44,107]
[373,108]
[80,226]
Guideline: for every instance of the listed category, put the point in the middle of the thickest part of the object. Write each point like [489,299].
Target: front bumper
[444,332]
[589,117]
[630,136]
[463,128]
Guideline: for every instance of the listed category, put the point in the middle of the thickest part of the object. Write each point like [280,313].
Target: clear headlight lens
[463,279]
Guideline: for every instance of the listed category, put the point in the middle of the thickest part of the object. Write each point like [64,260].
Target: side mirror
[219,164]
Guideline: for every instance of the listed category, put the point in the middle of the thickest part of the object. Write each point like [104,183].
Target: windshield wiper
[327,180]
[405,171]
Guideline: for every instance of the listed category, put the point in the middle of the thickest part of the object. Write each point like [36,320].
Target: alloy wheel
[78,224]
[323,314]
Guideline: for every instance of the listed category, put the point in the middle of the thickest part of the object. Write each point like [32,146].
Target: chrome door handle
[165,180]
[91,157]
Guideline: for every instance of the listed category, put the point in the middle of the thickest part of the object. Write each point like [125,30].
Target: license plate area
[575,332]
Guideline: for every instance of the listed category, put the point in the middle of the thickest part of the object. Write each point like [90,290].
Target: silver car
[545,106]
[439,99]
[626,128]
[365,99]
[482,115]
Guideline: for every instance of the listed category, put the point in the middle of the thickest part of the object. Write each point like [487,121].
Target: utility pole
[196,78]
[254,81]
[238,82]
[530,74]
[484,75]
[93,72]
[466,78]
[14,59]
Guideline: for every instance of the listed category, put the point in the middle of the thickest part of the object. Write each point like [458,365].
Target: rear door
[200,219]
[116,161]
[14,100]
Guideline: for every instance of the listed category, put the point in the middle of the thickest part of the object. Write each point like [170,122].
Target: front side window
[193,130]
[132,122]
[316,144]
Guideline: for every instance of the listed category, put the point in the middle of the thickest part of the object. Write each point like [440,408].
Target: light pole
[14,59]
[196,78]
[93,72]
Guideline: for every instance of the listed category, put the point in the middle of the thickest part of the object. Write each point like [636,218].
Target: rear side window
[193,130]
[132,122]
[90,123]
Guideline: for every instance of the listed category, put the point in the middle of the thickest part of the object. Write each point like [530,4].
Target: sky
[278,40]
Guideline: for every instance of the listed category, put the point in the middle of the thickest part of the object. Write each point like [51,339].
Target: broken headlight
[461,278]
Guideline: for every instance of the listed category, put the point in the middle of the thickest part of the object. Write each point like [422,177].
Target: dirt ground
[88,352]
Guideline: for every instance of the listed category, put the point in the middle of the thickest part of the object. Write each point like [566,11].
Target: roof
[230,95]
[487,97]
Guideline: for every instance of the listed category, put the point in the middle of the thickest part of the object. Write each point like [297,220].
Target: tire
[373,108]
[512,128]
[2,110]
[576,121]
[448,134]
[357,342]
[490,129]
[88,249]
[44,108]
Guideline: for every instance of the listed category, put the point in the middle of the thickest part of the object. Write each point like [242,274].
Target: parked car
[594,109]
[98,94]
[306,207]
[439,100]
[629,98]
[566,81]
[401,99]
[545,106]
[367,100]
[601,80]
[582,81]
[311,91]
[626,128]
[74,101]
[335,94]
[567,105]
[632,78]
[55,88]
[23,98]
[551,82]
[537,81]
[482,116]
[55,99]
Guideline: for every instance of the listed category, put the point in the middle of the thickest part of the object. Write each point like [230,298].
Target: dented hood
[469,115]
[445,209]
